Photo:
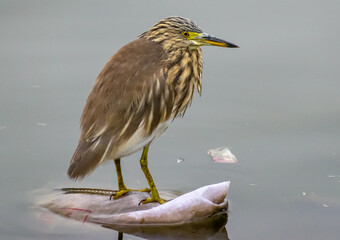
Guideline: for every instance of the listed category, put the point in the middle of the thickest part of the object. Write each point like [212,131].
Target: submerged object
[199,214]
[98,208]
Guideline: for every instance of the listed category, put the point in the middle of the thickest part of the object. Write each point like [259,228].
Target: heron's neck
[184,67]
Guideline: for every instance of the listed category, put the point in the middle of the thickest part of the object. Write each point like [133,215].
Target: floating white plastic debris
[179,160]
[331,176]
[198,204]
[41,124]
[3,127]
[222,155]
[325,205]
[253,184]
[303,194]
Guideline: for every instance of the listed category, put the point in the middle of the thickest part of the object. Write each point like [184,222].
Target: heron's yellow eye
[186,34]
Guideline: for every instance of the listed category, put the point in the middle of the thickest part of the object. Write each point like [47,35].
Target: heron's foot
[152,199]
[122,192]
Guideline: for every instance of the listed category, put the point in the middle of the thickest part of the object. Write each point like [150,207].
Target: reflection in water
[212,227]
[120,236]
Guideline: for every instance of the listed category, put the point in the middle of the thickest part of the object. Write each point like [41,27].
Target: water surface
[274,102]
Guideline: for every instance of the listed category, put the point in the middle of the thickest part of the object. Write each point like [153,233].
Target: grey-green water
[275,102]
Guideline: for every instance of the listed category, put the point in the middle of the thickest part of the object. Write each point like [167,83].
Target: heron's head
[179,32]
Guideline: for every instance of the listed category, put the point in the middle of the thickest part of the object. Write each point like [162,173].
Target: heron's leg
[144,165]
[121,185]
[122,189]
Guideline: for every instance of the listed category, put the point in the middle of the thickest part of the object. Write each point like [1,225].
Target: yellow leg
[122,189]
[121,186]
[144,165]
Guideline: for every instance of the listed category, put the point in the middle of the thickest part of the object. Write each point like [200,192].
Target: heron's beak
[208,40]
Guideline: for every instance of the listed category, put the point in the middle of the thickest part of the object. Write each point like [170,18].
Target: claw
[122,192]
[150,200]
[119,194]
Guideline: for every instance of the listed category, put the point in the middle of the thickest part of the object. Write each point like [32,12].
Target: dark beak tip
[231,45]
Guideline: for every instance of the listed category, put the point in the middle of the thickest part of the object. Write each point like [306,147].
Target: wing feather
[128,93]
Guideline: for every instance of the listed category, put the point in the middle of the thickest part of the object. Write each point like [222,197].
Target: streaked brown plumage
[146,84]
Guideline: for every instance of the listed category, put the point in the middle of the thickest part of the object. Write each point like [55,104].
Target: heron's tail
[86,158]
